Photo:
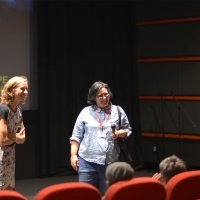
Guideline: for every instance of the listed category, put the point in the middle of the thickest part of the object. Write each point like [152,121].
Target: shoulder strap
[119,114]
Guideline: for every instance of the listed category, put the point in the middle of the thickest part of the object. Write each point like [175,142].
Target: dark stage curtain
[80,43]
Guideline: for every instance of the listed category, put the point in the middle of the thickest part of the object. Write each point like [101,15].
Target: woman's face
[21,92]
[103,98]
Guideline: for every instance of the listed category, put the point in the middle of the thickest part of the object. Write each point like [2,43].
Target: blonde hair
[7,95]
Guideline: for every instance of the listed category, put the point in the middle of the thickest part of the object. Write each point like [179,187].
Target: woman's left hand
[20,137]
[115,135]
[118,133]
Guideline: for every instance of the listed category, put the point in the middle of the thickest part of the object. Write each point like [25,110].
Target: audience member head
[118,171]
[171,166]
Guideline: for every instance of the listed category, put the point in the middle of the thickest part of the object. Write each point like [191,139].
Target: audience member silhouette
[169,167]
[118,171]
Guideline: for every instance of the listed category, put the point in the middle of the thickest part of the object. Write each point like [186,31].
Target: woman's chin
[103,105]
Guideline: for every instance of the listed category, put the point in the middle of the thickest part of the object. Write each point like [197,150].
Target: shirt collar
[106,110]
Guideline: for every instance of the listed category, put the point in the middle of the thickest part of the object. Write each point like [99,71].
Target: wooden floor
[30,187]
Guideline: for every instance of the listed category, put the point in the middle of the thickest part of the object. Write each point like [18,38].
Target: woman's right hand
[159,177]
[74,162]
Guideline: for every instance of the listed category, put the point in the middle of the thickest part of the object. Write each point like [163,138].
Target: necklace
[101,125]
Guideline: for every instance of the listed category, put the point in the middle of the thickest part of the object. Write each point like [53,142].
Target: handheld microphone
[113,126]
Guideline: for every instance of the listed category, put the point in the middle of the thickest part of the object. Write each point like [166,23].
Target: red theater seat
[143,188]
[184,186]
[11,195]
[72,191]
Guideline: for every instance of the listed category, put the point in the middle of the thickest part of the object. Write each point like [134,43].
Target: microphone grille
[112,125]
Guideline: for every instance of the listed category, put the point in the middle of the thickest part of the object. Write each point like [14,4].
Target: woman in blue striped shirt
[92,140]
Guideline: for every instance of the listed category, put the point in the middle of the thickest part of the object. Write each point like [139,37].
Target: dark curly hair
[94,89]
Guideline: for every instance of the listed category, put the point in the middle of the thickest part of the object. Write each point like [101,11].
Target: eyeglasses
[103,95]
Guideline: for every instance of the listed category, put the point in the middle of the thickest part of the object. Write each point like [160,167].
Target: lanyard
[101,125]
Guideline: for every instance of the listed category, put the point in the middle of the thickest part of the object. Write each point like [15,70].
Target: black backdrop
[78,44]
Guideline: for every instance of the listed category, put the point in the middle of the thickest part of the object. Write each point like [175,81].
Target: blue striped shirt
[93,148]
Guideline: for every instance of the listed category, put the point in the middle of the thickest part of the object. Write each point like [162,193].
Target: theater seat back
[143,188]
[71,190]
[184,186]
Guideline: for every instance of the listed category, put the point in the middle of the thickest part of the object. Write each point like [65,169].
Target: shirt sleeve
[125,122]
[4,111]
[79,128]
